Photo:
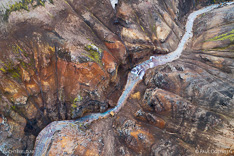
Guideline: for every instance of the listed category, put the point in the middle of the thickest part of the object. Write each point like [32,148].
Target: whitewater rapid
[134,77]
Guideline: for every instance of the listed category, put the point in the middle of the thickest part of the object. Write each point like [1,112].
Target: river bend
[135,76]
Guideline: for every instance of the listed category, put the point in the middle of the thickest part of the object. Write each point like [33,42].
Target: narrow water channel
[134,77]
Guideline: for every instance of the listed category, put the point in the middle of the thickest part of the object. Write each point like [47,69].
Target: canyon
[67,59]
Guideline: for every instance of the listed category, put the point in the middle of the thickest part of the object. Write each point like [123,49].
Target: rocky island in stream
[116,77]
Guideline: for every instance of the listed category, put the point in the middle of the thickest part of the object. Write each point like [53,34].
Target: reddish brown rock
[63,60]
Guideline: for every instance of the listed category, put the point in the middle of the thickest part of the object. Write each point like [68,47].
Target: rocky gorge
[63,59]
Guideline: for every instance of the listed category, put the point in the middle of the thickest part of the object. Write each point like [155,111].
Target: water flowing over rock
[61,60]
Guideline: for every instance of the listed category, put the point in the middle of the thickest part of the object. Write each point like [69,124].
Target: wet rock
[79,109]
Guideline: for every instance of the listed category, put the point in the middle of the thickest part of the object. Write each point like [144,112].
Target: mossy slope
[222,37]
[24,5]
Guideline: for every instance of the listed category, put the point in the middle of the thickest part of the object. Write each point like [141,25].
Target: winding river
[135,76]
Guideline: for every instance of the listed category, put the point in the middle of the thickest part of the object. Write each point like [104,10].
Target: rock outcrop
[62,59]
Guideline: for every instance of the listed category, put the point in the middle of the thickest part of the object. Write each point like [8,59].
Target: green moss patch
[9,68]
[78,99]
[3,70]
[75,103]
[24,5]
[94,53]
[226,36]
[13,107]
[19,51]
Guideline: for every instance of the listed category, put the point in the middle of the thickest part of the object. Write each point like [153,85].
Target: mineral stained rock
[60,60]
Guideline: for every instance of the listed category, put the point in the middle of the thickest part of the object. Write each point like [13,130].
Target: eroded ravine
[135,76]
